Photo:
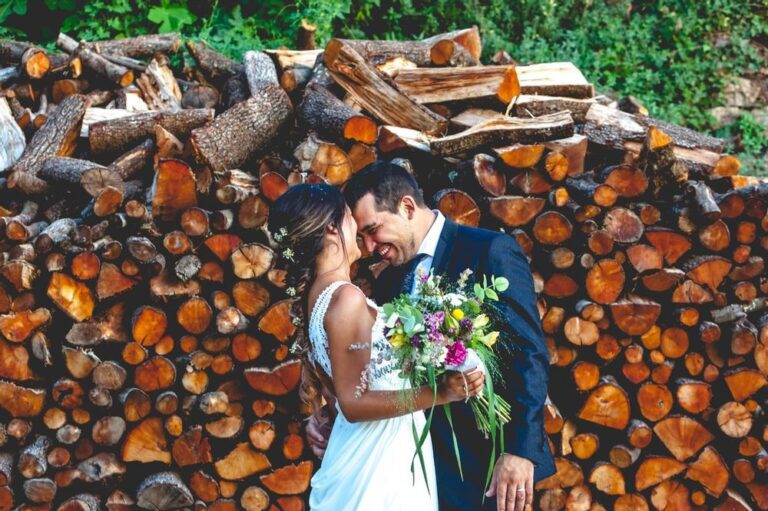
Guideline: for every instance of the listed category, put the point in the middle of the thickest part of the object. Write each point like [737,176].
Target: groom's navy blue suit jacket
[525,371]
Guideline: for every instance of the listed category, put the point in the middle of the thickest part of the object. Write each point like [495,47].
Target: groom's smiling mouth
[385,250]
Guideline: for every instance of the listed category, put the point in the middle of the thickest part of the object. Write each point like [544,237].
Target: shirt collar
[429,245]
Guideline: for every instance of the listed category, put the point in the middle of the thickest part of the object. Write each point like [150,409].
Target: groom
[395,222]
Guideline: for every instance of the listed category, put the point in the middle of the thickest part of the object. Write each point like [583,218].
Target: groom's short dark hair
[388,183]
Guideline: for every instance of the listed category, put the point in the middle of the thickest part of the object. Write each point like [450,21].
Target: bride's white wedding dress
[367,465]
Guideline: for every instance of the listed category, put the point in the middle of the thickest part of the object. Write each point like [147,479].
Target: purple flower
[466,325]
[416,341]
[457,354]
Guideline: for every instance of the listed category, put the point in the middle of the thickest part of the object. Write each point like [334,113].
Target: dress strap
[319,354]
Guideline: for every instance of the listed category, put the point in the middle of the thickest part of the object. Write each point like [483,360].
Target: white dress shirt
[429,246]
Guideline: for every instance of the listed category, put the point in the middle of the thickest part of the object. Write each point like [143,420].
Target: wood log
[370,89]
[95,62]
[117,135]
[439,85]
[505,131]
[438,51]
[322,112]
[159,86]
[32,60]
[163,490]
[214,65]
[138,47]
[263,115]
[56,137]
[295,66]
[619,130]
[560,79]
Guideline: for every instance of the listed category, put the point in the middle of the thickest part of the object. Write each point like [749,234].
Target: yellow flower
[490,339]
[458,314]
[480,321]
[397,340]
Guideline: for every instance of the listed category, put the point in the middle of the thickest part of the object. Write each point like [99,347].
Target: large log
[243,130]
[117,135]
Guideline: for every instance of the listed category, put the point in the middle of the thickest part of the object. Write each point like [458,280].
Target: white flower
[296,321]
[288,254]
[280,235]
[463,278]
[291,291]
[455,299]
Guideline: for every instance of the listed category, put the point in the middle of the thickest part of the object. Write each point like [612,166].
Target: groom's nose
[370,245]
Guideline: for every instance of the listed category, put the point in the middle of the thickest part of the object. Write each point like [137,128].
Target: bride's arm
[349,321]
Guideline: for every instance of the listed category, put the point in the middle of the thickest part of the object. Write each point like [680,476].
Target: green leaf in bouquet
[479,292]
[392,318]
[389,309]
[490,293]
[501,284]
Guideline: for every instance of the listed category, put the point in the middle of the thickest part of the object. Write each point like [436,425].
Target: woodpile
[146,331]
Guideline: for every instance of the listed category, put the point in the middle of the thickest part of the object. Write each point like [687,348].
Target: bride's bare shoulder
[348,299]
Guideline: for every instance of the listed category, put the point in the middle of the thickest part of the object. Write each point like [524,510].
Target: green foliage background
[674,55]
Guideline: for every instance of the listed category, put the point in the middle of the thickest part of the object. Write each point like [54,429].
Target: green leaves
[498,285]
[171,18]
[9,7]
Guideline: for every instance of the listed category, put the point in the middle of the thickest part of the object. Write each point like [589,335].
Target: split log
[295,66]
[439,85]
[57,137]
[370,89]
[561,79]
[505,131]
[159,86]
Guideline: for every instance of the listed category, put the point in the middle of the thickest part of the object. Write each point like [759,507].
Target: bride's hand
[458,386]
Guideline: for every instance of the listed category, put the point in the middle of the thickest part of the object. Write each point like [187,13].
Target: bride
[367,464]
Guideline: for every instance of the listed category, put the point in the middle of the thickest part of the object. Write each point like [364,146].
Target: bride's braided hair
[297,221]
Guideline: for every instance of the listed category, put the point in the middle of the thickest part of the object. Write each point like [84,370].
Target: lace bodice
[381,373]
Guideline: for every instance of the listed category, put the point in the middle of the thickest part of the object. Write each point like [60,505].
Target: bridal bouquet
[445,326]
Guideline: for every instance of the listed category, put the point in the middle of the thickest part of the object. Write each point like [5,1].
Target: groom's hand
[318,431]
[510,474]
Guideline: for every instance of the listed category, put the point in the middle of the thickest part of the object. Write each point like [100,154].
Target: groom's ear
[409,206]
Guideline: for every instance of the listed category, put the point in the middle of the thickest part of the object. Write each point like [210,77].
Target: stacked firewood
[144,321]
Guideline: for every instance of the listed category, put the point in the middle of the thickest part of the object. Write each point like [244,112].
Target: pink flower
[457,354]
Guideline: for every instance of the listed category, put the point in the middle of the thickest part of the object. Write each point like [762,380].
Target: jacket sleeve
[525,370]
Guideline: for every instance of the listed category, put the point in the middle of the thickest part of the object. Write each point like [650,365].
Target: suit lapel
[443,251]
